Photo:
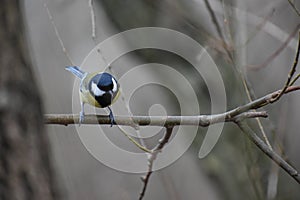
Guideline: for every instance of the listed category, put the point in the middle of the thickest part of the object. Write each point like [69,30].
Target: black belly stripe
[104,100]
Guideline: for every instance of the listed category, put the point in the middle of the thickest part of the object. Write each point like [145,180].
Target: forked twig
[290,75]
[152,156]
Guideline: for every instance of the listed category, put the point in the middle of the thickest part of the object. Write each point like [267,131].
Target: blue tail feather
[76,71]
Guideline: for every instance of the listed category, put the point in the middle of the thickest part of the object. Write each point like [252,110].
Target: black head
[104,88]
[104,81]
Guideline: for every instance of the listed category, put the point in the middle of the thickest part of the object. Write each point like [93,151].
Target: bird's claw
[112,119]
[81,118]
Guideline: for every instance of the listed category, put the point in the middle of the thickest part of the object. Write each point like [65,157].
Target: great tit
[97,89]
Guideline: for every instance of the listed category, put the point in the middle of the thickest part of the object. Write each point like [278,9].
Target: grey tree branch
[267,149]
[275,54]
[200,120]
[289,80]
[152,157]
[93,19]
[294,7]
[236,115]
[269,152]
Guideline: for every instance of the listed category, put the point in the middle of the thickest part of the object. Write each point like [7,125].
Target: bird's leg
[111,117]
[81,114]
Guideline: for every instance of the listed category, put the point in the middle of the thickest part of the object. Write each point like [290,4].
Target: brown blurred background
[237,34]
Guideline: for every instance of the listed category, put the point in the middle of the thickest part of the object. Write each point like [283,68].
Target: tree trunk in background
[25,168]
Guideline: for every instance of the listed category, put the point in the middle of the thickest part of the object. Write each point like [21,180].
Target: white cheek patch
[95,90]
[115,88]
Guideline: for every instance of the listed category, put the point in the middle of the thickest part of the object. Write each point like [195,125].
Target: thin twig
[241,61]
[275,53]
[295,79]
[294,7]
[218,28]
[152,157]
[249,95]
[214,19]
[291,74]
[57,34]
[140,146]
[259,27]
[288,83]
[141,142]
[145,181]
[279,135]
[93,19]
[269,152]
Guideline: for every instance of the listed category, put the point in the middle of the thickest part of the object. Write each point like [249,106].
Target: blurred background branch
[268,151]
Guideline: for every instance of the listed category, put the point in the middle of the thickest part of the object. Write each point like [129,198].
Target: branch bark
[152,156]
[200,120]
[268,151]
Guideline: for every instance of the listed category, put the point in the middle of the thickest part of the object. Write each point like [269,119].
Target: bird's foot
[81,118]
[111,117]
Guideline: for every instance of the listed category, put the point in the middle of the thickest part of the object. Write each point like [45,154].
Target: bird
[99,89]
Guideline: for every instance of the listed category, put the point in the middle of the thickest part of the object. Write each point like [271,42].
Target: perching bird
[97,89]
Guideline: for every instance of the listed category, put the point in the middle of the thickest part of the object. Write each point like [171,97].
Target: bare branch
[214,19]
[140,146]
[294,7]
[291,74]
[295,79]
[152,157]
[218,28]
[235,115]
[275,53]
[200,120]
[269,152]
[57,34]
[93,19]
